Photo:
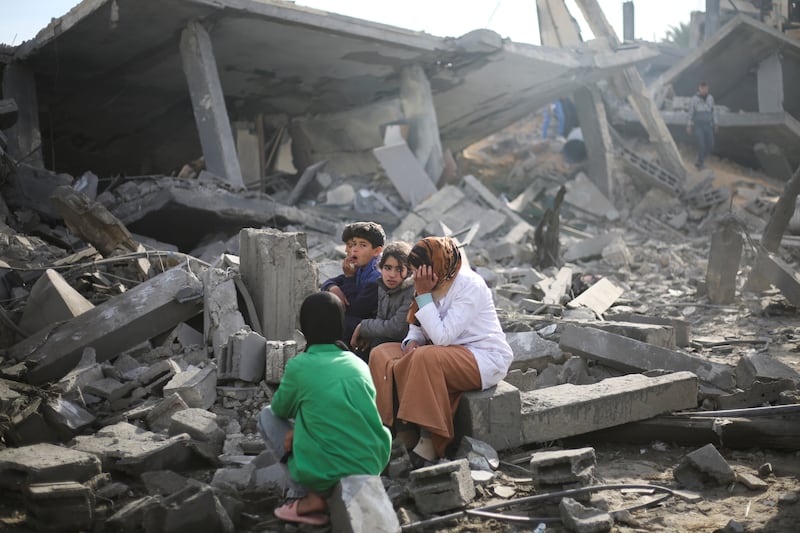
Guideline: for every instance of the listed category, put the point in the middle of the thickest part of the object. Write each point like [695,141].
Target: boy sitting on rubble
[395,291]
[329,394]
[357,286]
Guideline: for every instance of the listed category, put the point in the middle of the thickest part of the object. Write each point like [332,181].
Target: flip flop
[288,512]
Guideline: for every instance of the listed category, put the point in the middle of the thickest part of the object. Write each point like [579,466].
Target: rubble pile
[145,320]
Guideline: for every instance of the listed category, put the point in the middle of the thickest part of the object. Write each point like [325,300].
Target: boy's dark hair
[704,83]
[370,231]
[322,318]
[397,249]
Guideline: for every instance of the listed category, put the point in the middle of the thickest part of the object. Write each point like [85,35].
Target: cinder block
[200,424]
[629,355]
[563,466]
[566,410]
[442,487]
[197,386]
[61,506]
[655,334]
[160,417]
[278,353]
[359,504]
[245,357]
[221,315]
[581,519]
[682,328]
[492,415]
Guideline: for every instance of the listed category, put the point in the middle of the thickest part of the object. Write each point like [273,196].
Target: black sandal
[417,461]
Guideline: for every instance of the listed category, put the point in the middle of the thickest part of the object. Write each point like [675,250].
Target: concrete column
[208,101]
[279,275]
[423,131]
[712,18]
[24,137]
[594,123]
[770,84]
[628,33]
[557,28]
[723,263]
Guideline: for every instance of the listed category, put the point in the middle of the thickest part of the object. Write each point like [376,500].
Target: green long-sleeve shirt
[338,431]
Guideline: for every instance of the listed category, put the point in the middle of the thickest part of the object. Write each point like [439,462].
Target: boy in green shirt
[329,394]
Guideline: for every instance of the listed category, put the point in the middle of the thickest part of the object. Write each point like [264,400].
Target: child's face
[361,252]
[392,272]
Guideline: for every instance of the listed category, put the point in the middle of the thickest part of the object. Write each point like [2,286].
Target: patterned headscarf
[443,255]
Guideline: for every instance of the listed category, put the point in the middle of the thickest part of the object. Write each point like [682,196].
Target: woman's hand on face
[410,347]
[425,279]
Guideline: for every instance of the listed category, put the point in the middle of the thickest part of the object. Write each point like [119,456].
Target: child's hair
[370,231]
[397,249]
[322,318]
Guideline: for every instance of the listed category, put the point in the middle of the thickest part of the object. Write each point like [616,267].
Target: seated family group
[391,345]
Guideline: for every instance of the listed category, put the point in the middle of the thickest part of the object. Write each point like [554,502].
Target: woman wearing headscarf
[336,431]
[454,344]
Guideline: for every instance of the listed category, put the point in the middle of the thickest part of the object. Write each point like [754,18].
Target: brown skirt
[429,381]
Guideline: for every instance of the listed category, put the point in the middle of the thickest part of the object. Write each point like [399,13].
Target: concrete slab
[51,300]
[763,367]
[45,463]
[566,410]
[585,195]
[682,328]
[159,418]
[771,270]
[61,506]
[199,424]
[404,170]
[359,504]
[630,355]
[114,326]
[599,297]
[655,334]
[591,247]
[221,316]
[556,290]
[532,351]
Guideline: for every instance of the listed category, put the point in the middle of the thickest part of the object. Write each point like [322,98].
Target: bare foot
[312,503]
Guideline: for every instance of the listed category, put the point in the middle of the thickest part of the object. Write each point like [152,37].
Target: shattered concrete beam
[24,137]
[208,102]
[629,355]
[557,27]
[771,270]
[637,92]
[113,326]
[567,410]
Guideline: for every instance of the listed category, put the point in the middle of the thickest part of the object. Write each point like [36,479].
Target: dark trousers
[704,137]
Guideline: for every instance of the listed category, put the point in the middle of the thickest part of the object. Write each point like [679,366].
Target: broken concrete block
[702,466]
[584,194]
[109,389]
[60,506]
[163,482]
[245,357]
[481,455]
[655,334]
[751,481]
[580,519]
[160,417]
[359,504]
[723,262]
[599,297]
[682,328]
[279,275]
[563,466]
[442,487]
[66,417]
[770,270]
[761,366]
[45,463]
[221,316]
[617,254]
[556,289]
[130,449]
[196,386]
[185,335]
[566,410]
[402,168]
[532,351]
[575,371]
[51,300]
[278,354]
[193,508]
[87,371]
[129,517]
[200,424]
[234,478]
[113,326]
[342,195]
[272,477]
[492,415]
[631,355]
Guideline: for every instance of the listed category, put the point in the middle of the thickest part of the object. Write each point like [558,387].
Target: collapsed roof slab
[729,62]
[738,133]
[111,84]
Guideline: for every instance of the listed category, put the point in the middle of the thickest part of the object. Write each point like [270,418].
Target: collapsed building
[174,176]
